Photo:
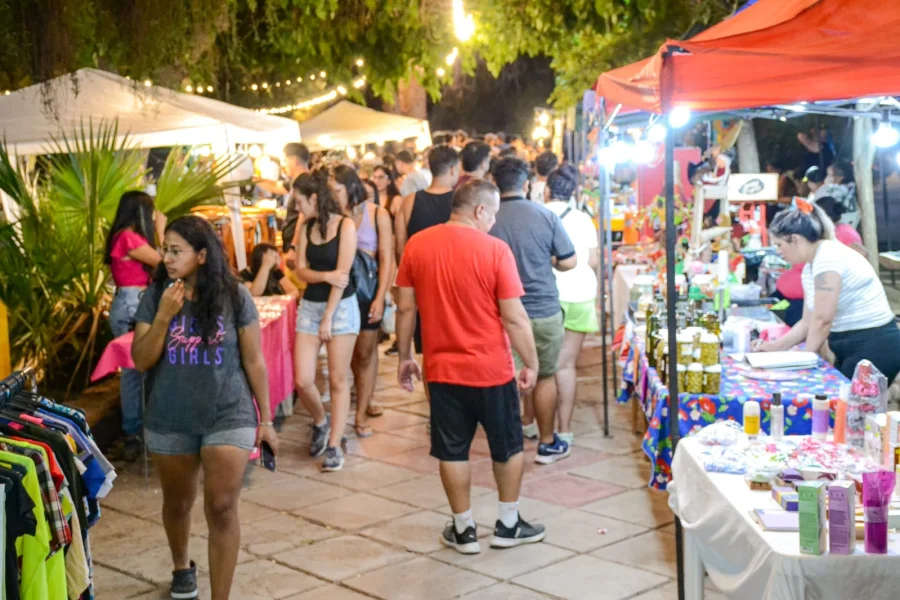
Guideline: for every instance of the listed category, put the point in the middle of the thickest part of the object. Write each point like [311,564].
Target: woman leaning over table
[844,301]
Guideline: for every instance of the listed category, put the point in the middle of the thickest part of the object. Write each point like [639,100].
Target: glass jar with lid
[694,383]
[685,349]
[709,349]
[712,379]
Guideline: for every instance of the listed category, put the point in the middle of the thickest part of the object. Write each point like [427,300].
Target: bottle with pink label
[820,417]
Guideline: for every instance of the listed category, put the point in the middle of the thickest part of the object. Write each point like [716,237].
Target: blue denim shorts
[172,444]
[346,319]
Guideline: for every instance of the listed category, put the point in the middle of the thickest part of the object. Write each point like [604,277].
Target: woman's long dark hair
[135,211]
[368,183]
[356,193]
[392,190]
[316,184]
[217,287]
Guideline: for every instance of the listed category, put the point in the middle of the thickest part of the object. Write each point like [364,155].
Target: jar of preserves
[712,379]
[694,383]
[709,349]
[685,349]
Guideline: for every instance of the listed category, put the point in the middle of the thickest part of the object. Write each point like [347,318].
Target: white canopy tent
[349,124]
[151,116]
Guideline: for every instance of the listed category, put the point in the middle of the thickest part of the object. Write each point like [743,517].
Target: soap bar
[811,507]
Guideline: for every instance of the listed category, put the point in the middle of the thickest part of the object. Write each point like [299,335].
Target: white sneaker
[531,431]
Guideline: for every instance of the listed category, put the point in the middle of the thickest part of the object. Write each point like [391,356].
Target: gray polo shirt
[535,235]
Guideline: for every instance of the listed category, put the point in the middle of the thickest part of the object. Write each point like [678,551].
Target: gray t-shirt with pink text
[199,388]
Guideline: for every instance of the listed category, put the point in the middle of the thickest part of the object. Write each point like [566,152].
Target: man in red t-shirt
[468,291]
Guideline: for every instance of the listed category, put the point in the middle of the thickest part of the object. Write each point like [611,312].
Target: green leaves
[188,181]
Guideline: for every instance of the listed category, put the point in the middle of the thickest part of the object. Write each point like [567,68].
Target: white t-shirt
[578,284]
[862,303]
[537,191]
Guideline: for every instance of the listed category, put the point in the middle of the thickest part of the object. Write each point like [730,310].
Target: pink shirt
[126,271]
[847,235]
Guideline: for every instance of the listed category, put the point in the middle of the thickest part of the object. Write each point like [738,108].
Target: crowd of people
[488,262]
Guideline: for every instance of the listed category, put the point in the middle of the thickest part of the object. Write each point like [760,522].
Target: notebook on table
[776,519]
[783,360]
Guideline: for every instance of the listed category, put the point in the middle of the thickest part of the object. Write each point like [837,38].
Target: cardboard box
[841,517]
[876,428]
[811,507]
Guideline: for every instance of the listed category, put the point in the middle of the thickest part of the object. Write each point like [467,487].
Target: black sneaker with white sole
[521,533]
[464,543]
[319,439]
[184,583]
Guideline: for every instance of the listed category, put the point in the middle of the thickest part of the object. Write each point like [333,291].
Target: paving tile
[342,557]
[418,433]
[382,446]
[330,592]
[418,460]
[505,591]
[135,498]
[506,563]
[645,507]
[619,443]
[580,457]
[484,509]
[653,551]
[418,532]
[589,578]
[582,532]
[155,564]
[293,495]
[425,492]
[269,537]
[355,511]
[267,580]
[627,471]
[669,591]
[394,419]
[422,408]
[299,462]
[117,535]
[247,513]
[567,490]
[417,579]
[112,584]
[367,476]
[482,472]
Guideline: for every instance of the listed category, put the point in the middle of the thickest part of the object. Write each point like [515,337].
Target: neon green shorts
[581,317]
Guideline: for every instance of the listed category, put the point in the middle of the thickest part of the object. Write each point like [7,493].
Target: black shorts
[364,318]
[456,411]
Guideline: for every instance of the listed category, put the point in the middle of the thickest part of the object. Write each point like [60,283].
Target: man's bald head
[478,200]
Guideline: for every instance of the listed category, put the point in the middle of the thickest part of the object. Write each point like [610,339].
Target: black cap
[821,397]
[776,399]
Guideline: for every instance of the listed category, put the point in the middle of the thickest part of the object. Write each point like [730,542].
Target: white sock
[463,521]
[509,513]
[323,423]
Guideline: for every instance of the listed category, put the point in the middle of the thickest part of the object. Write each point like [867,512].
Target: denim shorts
[346,319]
[172,444]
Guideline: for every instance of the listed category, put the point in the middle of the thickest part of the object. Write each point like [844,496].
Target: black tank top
[324,257]
[429,210]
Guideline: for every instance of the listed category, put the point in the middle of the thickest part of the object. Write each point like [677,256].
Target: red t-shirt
[459,275]
[126,271]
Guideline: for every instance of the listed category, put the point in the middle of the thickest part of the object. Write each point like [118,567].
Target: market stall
[349,124]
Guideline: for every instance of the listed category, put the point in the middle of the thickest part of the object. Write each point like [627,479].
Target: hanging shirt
[20,521]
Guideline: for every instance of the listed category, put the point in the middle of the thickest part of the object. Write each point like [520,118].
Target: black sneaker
[319,438]
[184,583]
[334,460]
[132,448]
[464,543]
[392,351]
[521,533]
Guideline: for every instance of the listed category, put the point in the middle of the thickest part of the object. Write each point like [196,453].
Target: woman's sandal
[375,410]
[364,431]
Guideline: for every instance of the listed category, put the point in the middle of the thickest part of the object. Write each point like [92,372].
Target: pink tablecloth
[277,315]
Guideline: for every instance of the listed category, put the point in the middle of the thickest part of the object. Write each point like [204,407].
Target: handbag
[365,272]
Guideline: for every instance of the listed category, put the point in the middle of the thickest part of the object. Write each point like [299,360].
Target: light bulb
[342,90]
[657,133]
[679,116]
[254,87]
[624,151]
[360,62]
[885,136]
[147,83]
[209,89]
[188,89]
[644,152]
[265,85]
[312,77]
[255,151]
[322,74]
[441,72]
[607,158]
[544,119]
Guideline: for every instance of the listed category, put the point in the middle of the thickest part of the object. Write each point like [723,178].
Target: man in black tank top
[429,207]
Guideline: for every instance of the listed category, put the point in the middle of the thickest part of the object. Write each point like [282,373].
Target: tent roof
[774,52]
[349,124]
[151,116]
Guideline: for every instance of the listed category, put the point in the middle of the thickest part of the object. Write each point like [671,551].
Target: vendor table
[746,562]
[277,316]
[696,411]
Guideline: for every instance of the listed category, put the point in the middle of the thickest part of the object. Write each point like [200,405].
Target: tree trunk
[410,99]
[863,156]
[748,151]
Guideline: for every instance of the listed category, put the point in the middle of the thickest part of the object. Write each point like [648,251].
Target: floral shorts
[346,319]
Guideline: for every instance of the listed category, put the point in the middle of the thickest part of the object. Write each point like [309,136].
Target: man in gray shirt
[539,243]
[414,178]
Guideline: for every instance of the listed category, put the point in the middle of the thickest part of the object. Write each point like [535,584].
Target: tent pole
[605,261]
[884,200]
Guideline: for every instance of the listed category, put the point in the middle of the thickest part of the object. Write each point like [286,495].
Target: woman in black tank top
[329,312]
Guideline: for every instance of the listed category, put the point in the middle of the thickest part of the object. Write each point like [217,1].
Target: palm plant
[188,180]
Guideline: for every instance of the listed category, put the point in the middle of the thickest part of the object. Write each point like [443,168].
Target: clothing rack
[24,380]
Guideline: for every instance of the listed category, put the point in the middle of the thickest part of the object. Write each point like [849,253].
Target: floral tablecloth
[696,411]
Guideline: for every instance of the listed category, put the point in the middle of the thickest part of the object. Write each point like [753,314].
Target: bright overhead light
[147,83]
[607,158]
[351,152]
[795,107]
[623,151]
[898,159]
[679,116]
[644,152]
[360,62]
[657,133]
[544,118]
[451,58]
[255,151]
[463,24]
[441,72]
[188,89]
[885,136]
[254,87]
[209,89]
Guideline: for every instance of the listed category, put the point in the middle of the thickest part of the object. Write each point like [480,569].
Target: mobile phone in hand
[268,457]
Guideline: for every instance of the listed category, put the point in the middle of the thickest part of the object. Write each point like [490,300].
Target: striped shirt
[862,303]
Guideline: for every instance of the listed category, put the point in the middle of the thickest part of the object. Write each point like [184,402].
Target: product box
[811,507]
[893,423]
[841,517]
[786,497]
[876,427]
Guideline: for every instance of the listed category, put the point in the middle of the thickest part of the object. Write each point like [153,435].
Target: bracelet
[267,424]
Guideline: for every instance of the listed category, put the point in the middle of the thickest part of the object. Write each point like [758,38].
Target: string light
[254,87]
[463,24]
[188,89]
[441,72]
[359,83]
[6,93]
[342,90]
[322,74]
[147,83]
[265,85]
[360,62]
[209,89]
[288,82]
[338,91]
[451,58]
[312,77]
[277,84]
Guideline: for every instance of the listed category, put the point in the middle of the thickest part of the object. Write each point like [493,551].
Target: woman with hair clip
[374,239]
[329,312]
[844,301]
[577,288]
[198,338]
[132,255]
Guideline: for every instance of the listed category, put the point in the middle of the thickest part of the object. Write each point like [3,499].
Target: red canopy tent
[774,52]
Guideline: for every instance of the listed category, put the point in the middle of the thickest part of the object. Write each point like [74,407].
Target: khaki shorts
[548,337]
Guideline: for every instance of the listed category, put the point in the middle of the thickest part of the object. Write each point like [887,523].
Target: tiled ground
[371,531]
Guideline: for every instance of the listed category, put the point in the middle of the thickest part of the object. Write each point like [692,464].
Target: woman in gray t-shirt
[198,339]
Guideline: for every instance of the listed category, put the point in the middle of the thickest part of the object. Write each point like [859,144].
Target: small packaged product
[811,507]
[841,517]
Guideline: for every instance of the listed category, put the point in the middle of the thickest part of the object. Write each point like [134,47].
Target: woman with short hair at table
[844,301]
[264,277]
[131,254]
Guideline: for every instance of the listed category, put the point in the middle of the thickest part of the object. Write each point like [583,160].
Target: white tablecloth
[623,281]
[747,563]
